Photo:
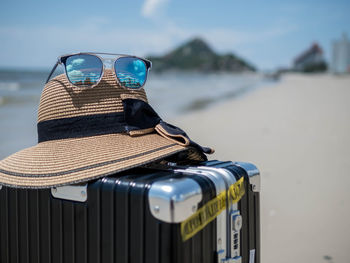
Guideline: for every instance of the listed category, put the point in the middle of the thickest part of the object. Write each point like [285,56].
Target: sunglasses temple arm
[52,71]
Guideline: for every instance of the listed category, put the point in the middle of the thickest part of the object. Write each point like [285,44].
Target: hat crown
[60,99]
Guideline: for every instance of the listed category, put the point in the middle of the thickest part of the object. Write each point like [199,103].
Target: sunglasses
[86,69]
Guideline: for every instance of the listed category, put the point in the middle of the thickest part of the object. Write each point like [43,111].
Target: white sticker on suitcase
[252,256]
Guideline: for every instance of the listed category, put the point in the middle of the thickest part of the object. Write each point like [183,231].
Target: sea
[170,94]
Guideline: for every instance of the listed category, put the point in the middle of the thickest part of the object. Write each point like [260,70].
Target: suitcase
[155,214]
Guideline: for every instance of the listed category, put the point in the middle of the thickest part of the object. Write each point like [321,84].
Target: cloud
[77,61]
[75,75]
[60,40]
[151,8]
[74,63]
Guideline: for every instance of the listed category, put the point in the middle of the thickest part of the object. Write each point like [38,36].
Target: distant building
[310,60]
[341,56]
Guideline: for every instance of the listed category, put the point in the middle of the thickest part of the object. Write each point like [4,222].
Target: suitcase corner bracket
[174,200]
[253,174]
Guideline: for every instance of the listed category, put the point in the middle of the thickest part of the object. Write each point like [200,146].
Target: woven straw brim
[69,161]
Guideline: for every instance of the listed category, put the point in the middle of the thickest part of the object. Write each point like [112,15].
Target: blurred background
[271,78]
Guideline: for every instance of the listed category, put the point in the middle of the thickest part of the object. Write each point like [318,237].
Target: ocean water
[170,94]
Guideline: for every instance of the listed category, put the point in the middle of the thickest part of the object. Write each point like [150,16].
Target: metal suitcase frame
[249,207]
[118,219]
[229,222]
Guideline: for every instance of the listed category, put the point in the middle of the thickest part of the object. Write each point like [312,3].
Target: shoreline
[297,133]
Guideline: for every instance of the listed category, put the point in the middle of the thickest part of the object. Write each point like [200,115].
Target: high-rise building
[341,56]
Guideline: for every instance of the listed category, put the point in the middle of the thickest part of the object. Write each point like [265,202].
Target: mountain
[196,55]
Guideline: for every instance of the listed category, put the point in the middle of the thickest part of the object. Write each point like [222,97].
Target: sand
[298,133]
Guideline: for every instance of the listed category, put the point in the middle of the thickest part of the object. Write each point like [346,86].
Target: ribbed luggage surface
[114,224]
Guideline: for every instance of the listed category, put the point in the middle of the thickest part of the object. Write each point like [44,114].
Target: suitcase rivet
[83,193]
[54,190]
[156,209]
[219,241]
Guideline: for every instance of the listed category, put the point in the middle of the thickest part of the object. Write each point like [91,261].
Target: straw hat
[81,137]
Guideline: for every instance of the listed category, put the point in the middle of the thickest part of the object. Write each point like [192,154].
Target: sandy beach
[298,133]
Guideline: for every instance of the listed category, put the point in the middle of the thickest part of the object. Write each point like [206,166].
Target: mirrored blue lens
[131,72]
[83,70]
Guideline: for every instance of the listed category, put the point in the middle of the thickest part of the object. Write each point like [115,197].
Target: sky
[269,34]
